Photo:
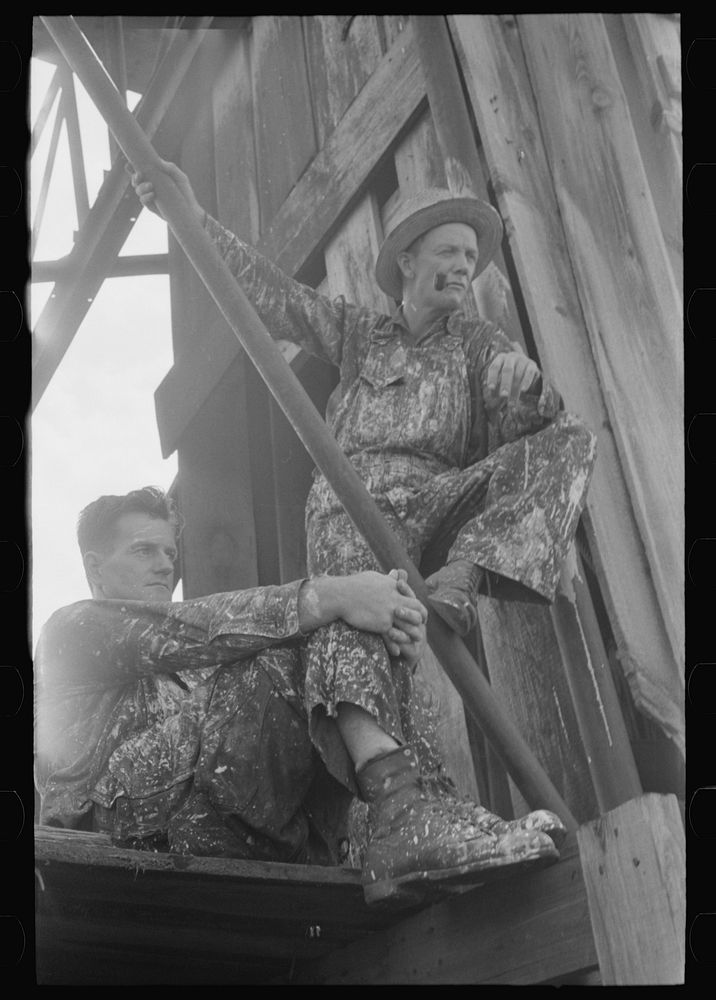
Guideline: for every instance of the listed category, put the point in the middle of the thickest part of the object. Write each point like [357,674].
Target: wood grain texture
[306,218]
[340,59]
[647,51]
[283,119]
[108,915]
[632,307]
[527,675]
[218,544]
[500,93]
[520,931]
[634,863]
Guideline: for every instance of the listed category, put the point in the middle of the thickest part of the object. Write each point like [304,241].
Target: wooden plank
[518,931]
[307,216]
[647,48]
[527,675]
[393,27]
[218,549]
[634,862]
[237,196]
[111,915]
[341,57]
[633,309]
[500,94]
[518,641]
[283,120]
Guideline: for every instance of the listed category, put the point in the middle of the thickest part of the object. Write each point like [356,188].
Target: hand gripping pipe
[452,653]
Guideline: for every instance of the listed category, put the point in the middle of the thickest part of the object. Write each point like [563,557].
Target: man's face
[140,565]
[446,255]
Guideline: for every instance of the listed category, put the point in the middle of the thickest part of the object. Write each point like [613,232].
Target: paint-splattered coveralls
[184,726]
[499,482]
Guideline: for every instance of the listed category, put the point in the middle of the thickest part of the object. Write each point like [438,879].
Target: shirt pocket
[384,369]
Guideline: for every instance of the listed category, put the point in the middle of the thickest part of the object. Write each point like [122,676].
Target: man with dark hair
[201,727]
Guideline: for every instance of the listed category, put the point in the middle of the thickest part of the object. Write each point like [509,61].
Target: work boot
[423,843]
[541,820]
[453,594]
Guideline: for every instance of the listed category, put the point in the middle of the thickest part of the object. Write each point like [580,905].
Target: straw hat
[424,211]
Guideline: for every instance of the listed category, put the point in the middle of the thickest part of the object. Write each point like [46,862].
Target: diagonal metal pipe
[452,653]
[107,224]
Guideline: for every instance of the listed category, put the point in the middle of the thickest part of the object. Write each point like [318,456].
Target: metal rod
[307,422]
[108,224]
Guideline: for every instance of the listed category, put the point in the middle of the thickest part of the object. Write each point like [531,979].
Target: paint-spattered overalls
[501,483]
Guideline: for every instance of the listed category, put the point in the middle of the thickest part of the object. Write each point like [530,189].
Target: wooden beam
[633,310]
[62,269]
[110,915]
[634,862]
[47,176]
[501,96]
[517,931]
[74,139]
[308,216]
[44,113]
[107,226]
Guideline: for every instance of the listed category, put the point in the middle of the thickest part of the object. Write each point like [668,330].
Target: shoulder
[477,334]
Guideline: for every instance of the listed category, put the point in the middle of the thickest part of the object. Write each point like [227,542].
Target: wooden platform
[111,916]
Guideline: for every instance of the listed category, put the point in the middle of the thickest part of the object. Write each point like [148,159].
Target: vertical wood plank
[647,51]
[215,490]
[236,184]
[341,57]
[501,97]
[634,865]
[393,25]
[631,304]
[528,677]
[517,640]
[350,258]
[283,119]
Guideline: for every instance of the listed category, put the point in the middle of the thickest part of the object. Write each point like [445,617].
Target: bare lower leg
[363,737]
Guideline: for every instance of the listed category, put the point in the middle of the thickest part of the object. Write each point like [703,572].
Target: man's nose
[163,564]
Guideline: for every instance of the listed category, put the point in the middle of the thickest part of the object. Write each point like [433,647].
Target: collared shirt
[417,417]
[109,672]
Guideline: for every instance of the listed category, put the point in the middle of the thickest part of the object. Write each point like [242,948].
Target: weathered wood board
[525,930]
[631,305]
[500,93]
[305,220]
[340,58]
[283,119]
[634,862]
[112,916]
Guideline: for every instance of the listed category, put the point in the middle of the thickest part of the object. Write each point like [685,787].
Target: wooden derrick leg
[634,865]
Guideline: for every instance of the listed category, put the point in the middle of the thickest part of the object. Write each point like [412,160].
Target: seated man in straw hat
[457,436]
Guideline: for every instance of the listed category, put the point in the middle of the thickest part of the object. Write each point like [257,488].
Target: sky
[94,430]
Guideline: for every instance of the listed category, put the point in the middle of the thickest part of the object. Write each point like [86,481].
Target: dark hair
[96,523]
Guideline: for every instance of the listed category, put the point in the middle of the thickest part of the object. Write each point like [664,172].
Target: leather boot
[453,594]
[542,820]
[423,843]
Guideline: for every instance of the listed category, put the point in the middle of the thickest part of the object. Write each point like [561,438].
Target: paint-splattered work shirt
[437,415]
[112,674]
